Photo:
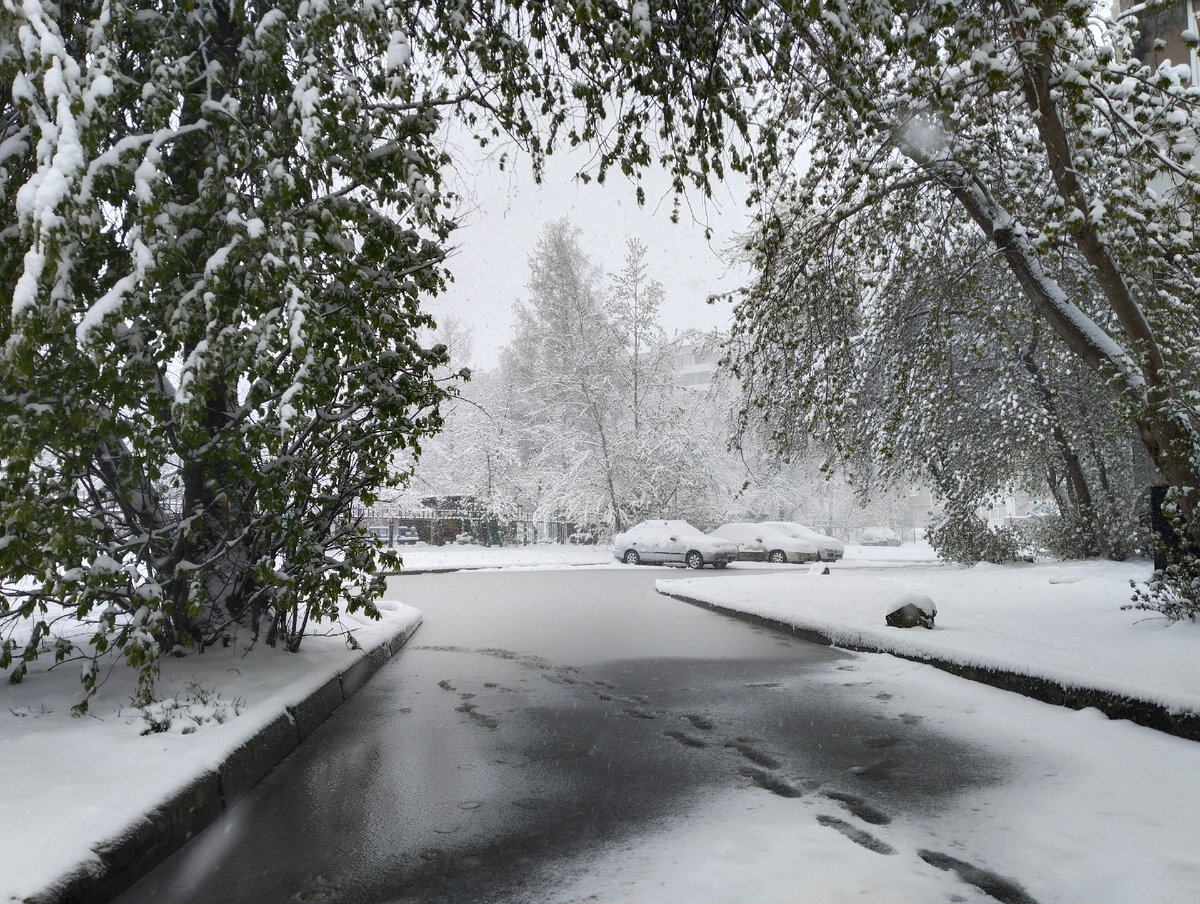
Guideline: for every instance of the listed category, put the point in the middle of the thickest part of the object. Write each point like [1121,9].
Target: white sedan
[829,548]
[759,543]
[879,536]
[671,543]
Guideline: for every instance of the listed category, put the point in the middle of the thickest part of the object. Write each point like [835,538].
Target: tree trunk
[1172,441]
[1078,492]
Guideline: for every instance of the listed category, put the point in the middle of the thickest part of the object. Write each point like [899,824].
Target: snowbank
[1061,622]
[74,784]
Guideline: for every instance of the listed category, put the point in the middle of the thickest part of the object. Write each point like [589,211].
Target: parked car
[759,543]
[585,537]
[660,542]
[398,536]
[879,536]
[829,549]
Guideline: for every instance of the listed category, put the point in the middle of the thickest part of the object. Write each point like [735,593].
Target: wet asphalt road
[536,715]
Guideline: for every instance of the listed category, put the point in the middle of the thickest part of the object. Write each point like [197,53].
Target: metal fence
[437,527]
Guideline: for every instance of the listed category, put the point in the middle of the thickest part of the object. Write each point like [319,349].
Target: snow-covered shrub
[1059,536]
[1124,532]
[965,538]
[1173,591]
[1111,532]
[190,711]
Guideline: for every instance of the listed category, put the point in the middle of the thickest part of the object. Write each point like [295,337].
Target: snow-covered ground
[422,556]
[1094,810]
[67,784]
[1086,811]
[1060,621]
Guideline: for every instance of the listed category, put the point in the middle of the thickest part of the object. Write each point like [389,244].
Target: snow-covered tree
[586,399]
[563,368]
[218,223]
[1009,411]
[475,455]
[674,444]
[1034,123]
[218,219]
[634,303]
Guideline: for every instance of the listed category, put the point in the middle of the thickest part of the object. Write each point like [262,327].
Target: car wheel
[777,556]
[694,560]
[631,557]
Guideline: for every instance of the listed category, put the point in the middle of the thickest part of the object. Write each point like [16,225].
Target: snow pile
[77,787]
[640,14]
[1062,622]
[399,53]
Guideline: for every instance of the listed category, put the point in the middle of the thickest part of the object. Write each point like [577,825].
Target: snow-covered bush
[1173,591]
[963,537]
[189,711]
[1059,536]
[1115,533]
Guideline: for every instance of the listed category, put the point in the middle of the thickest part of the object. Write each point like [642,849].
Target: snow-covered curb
[179,780]
[1003,625]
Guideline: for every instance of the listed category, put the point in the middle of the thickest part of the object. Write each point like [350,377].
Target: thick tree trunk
[1173,446]
[1052,482]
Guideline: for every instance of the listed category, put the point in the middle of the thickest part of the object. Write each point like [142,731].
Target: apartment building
[1163,26]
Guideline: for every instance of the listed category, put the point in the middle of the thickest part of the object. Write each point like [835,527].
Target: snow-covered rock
[912,610]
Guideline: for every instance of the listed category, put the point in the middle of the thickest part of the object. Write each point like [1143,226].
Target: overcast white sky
[503,213]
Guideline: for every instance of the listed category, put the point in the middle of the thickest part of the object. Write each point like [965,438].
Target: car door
[648,546]
[755,545]
[675,546]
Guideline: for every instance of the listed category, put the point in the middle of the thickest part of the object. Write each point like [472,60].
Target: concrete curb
[125,860]
[1115,706]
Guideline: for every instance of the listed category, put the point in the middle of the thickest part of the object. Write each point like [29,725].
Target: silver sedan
[663,542]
